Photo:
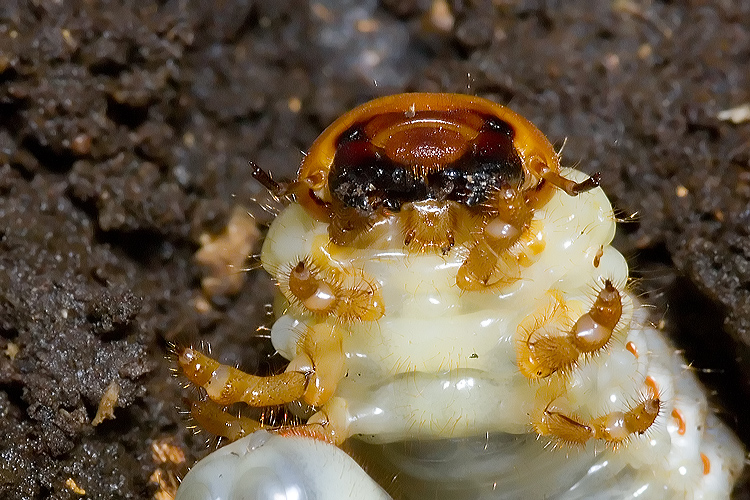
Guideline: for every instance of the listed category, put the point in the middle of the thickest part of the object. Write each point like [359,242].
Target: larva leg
[330,424]
[325,291]
[614,428]
[312,375]
[227,385]
[541,353]
[320,355]
[504,218]
[315,294]
[213,419]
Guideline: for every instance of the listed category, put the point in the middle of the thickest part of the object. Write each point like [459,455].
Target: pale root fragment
[222,257]
[107,404]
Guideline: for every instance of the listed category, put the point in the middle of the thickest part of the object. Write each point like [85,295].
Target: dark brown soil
[125,132]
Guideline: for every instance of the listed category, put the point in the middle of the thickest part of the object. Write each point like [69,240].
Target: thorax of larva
[430,325]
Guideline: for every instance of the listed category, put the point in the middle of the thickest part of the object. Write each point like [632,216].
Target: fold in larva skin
[434,398]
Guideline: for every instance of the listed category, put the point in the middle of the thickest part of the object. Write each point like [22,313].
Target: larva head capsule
[438,163]
[414,147]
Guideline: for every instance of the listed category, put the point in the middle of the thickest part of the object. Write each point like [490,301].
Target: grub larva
[453,312]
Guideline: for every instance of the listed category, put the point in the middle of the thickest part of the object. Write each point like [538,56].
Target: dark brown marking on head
[424,158]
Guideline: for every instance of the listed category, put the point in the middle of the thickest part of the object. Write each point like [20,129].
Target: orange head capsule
[412,147]
[422,154]
[441,169]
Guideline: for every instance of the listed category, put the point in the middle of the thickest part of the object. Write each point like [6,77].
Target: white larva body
[439,371]
[266,466]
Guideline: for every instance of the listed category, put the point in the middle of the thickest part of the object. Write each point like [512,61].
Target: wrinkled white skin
[433,388]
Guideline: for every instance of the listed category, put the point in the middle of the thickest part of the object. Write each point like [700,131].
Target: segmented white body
[433,387]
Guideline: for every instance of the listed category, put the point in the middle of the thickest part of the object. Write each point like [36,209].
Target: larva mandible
[450,304]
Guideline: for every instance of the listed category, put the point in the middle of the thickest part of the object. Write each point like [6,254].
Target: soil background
[125,134]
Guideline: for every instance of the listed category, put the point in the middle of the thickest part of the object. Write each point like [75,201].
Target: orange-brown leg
[227,385]
[540,353]
[325,291]
[312,376]
[329,424]
[504,219]
[213,419]
[320,354]
[614,428]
